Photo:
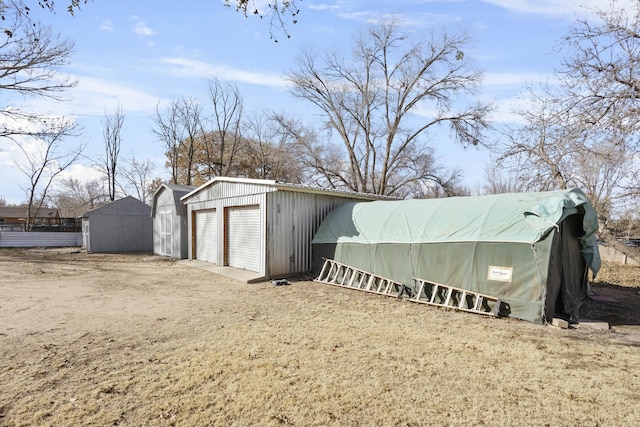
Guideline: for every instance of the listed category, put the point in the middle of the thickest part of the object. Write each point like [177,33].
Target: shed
[170,221]
[124,225]
[262,226]
[531,250]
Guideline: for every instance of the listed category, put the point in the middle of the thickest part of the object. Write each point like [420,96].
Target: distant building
[14,218]
[124,225]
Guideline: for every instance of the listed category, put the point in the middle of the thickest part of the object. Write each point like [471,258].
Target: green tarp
[501,245]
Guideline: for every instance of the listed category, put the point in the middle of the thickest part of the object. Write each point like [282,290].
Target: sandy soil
[93,339]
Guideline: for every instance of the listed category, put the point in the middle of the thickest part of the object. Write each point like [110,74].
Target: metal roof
[288,187]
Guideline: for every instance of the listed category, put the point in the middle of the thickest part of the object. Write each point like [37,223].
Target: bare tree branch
[137,175]
[367,98]
[44,159]
[275,10]
[112,135]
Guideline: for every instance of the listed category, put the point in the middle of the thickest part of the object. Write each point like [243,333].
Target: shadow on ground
[617,305]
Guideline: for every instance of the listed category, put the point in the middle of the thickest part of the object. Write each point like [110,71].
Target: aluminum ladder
[440,295]
[338,274]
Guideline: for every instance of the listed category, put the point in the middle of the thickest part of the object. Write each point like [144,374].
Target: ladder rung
[463,299]
[447,296]
[335,273]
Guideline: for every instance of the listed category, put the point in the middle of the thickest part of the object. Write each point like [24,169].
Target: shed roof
[127,205]
[177,190]
[282,186]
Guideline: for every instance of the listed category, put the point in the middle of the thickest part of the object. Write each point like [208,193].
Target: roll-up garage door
[243,237]
[207,236]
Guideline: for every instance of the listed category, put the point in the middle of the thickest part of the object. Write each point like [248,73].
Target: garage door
[243,237]
[206,236]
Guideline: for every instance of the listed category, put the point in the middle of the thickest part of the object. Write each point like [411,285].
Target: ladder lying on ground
[460,299]
[338,274]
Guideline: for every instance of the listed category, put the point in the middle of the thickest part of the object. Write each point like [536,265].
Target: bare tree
[554,149]
[137,175]
[112,135]
[74,198]
[367,99]
[497,182]
[225,136]
[584,131]
[30,58]
[190,117]
[601,69]
[538,153]
[181,131]
[44,159]
[270,150]
[318,160]
[169,134]
[153,185]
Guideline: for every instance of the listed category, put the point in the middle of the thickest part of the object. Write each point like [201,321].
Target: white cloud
[141,29]
[189,68]
[94,96]
[107,26]
[81,172]
[324,6]
[402,19]
[506,80]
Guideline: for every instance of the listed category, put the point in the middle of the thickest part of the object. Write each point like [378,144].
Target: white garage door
[206,236]
[243,237]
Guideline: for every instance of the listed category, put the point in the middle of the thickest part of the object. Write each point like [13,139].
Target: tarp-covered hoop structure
[531,250]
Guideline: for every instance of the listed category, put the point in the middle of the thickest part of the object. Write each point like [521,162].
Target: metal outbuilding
[124,225]
[170,225]
[262,226]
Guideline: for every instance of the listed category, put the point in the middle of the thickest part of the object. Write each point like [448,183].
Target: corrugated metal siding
[292,220]
[226,190]
[20,239]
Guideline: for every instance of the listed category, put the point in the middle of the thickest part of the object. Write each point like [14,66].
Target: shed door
[166,231]
[206,236]
[85,236]
[243,237]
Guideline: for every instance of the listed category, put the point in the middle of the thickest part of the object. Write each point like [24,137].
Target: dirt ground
[95,339]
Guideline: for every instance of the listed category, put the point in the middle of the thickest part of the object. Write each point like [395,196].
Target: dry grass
[132,340]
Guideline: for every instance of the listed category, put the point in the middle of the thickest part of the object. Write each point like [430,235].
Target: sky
[142,55]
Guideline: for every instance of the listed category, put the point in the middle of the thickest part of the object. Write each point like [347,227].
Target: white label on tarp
[500,274]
